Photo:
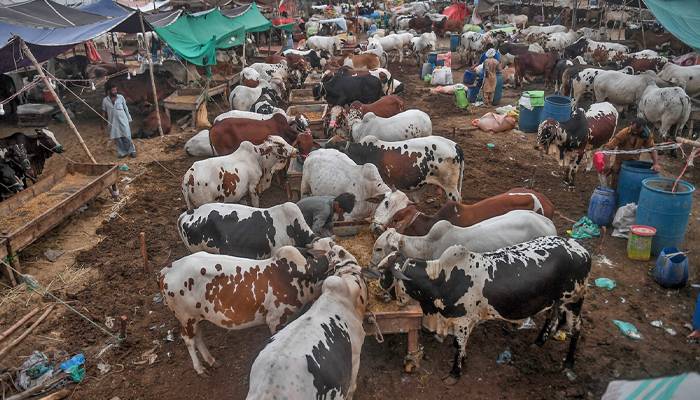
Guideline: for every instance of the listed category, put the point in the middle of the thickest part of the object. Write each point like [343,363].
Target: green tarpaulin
[252,19]
[680,17]
[196,37]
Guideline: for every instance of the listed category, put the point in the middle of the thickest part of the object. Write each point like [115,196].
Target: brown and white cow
[411,222]
[534,64]
[227,179]
[227,134]
[386,107]
[238,293]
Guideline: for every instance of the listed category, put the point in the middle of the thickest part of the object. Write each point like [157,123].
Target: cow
[602,122]
[599,34]
[686,77]
[621,89]
[74,67]
[366,61]
[422,45]
[571,139]
[587,47]
[10,183]
[102,70]
[645,60]
[328,172]
[385,107]
[559,40]
[315,59]
[430,160]
[341,90]
[280,70]
[199,145]
[534,30]
[243,231]
[16,156]
[323,346]
[405,125]
[511,228]
[246,171]
[467,287]
[330,44]
[520,21]
[227,134]
[412,222]
[149,125]
[39,147]
[389,84]
[137,89]
[238,293]
[665,107]
[390,44]
[445,25]
[534,64]
[473,43]
[421,24]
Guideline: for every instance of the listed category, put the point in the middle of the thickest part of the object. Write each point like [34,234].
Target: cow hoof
[215,364]
[450,380]
[203,373]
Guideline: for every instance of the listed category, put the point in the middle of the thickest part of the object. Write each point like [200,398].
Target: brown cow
[447,25]
[227,134]
[94,71]
[412,222]
[385,107]
[421,24]
[149,127]
[535,64]
[137,90]
[367,61]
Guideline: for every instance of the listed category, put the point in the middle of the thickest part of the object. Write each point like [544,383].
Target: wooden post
[150,70]
[269,42]
[144,254]
[31,57]
[641,22]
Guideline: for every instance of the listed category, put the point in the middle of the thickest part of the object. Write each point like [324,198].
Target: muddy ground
[101,275]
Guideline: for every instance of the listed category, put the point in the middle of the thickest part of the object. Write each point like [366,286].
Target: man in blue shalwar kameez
[117,114]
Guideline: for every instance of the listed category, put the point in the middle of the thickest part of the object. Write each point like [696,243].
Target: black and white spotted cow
[570,137]
[511,284]
[317,356]
[243,231]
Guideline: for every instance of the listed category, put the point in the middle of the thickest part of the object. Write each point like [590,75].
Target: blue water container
[426,70]
[440,63]
[454,42]
[432,58]
[529,120]
[671,270]
[696,314]
[498,93]
[557,107]
[629,182]
[601,208]
[665,210]
[469,77]
[473,93]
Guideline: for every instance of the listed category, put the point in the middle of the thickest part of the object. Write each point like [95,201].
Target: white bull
[405,125]
[686,77]
[665,108]
[329,43]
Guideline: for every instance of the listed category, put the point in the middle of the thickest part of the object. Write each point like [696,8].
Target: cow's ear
[376,199]
[371,273]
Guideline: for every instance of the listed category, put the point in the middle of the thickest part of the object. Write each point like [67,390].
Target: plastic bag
[34,371]
[605,283]
[442,76]
[584,229]
[628,329]
[679,387]
[624,218]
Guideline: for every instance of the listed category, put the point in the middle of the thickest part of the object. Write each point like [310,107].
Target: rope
[35,286]
[378,333]
[688,162]
[79,98]
[663,146]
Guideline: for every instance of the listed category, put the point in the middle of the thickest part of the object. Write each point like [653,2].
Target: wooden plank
[303,96]
[3,248]
[46,182]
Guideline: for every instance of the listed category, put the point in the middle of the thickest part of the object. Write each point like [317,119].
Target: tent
[46,14]
[144,5]
[196,37]
[107,8]
[680,17]
[250,17]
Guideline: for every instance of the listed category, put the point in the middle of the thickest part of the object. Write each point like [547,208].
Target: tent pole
[269,42]
[245,39]
[31,57]
[150,70]
[641,22]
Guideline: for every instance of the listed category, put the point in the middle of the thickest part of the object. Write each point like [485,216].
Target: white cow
[686,77]
[664,107]
[322,347]
[390,44]
[535,30]
[329,43]
[505,230]
[405,125]
[328,172]
[199,145]
[473,43]
[621,89]
[557,41]
[243,97]
[246,171]
[422,45]
[600,34]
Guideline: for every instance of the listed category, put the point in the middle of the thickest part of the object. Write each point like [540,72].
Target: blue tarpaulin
[680,17]
[107,8]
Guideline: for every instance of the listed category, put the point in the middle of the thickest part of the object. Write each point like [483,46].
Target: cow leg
[203,350]
[461,335]
[550,326]
[189,333]
[572,311]
[254,196]
[589,160]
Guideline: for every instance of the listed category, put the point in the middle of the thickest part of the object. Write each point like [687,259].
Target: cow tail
[213,150]
[685,118]
[460,158]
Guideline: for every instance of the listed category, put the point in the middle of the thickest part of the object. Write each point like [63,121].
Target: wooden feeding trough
[303,96]
[315,113]
[31,213]
[312,81]
[184,100]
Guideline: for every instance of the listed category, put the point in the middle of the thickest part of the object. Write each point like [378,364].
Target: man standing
[491,68]
[116,113]
[319,211]
[634,137]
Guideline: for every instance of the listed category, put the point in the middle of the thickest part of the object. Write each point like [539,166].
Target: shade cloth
[680,17]
[45,14]
[107,8]
[250,17]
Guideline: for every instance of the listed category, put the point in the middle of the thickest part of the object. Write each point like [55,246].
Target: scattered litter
[688,326]
[671,331]
[74,367]
[103,367]
[127,180]
[570,375]
[147,357]
[34,371]
[109,322]
[628,329]
[506,109]
[560,336]
[505,357]
[123,167]
[169,337]
[605,283]
[157,298]
[52,255]
[622,300]
[490,146]
[602,259]
[528,324]
[657,323]
[695,285]
[584,229]
[623,220]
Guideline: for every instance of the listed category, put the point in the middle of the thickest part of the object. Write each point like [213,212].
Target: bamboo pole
[26,333]
[641,22]
[31,57]
[9,331]
[150,70]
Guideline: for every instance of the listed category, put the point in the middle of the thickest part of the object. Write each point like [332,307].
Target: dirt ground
[101,275]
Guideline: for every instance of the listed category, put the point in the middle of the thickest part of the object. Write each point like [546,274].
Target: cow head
[576,49]
[275,153]
[387,242]
[387,205]
[48,140]
[547,133]
[403,218]
[391,269]
[9,182]
[337,117]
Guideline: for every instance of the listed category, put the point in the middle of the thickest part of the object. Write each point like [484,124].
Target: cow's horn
[398,274]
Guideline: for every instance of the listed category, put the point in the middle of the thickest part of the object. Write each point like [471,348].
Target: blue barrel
[469,77]
[473,92]
[601,208]
[432,58]
[557,107]
[454,42]
[426,69]
[529,120]
[665,210]
[440,63]
[629,182]
[671,270]
[499,89]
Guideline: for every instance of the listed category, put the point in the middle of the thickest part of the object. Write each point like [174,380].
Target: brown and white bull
[317,356]
[238,293]
[227,179]
[513,283]
[227,134]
